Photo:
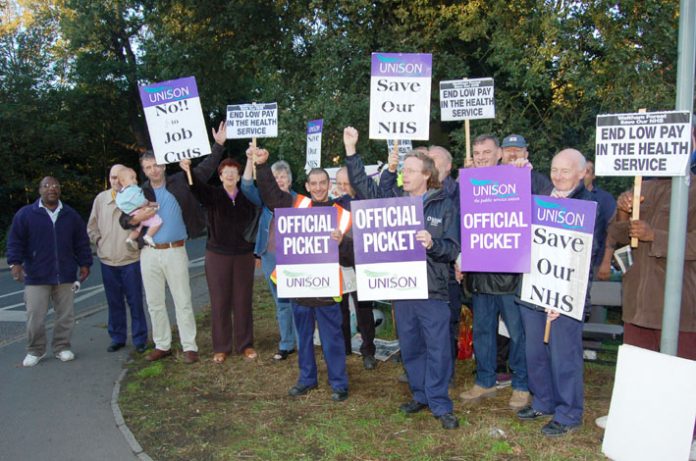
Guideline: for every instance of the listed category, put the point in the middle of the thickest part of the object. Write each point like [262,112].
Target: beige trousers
[37,299]
[168,266]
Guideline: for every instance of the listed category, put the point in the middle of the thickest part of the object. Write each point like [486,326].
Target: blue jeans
[119,282]
[486,309]
[286,326]
[329,320]
[424,337]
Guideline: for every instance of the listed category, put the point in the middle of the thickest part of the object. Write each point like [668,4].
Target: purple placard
[384,230]
[496,209]
[402,64]
[315,126]
[564,213]
[169,91]
[303,235]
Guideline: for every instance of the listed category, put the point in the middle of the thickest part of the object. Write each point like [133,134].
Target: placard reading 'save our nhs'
[562,234]
[306,255]
[400,96]
[389,262]
[175,120]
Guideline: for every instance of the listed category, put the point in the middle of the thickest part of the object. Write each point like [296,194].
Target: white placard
[653,407]
[643,144]
[467,99]
[175,120]
[314,130]
[246,121]
[400,96]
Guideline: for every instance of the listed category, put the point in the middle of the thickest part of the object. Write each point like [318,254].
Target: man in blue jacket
[46,245]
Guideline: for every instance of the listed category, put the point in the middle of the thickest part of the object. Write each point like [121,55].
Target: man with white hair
[555,370]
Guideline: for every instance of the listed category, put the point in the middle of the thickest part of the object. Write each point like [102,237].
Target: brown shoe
[190,357]
[477,393]
[157,354]
[250,354]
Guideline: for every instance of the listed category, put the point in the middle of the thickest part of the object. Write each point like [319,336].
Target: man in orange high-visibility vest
[326,312]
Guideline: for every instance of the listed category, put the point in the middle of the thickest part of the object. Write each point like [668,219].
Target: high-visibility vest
[344,224]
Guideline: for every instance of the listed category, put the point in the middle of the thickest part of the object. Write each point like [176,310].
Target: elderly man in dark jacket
[46,245]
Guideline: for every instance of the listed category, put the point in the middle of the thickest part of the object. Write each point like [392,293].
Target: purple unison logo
[301,280]
[166,93]
[558,214]
[489,188]
[400,65]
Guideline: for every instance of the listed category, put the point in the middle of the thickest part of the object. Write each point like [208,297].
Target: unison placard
[643,144]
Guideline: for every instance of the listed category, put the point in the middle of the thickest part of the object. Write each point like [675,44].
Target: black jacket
[441,221]
[177,184]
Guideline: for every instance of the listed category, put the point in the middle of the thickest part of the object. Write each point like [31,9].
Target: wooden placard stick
[547,330]
[637,184]
[253,159]
[467,133]
[188,175]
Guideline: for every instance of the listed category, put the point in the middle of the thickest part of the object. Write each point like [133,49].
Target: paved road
[62,411]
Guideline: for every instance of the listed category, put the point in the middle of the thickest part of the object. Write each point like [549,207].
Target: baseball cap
[514,140]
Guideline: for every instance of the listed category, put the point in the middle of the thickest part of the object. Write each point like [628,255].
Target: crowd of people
[140,235]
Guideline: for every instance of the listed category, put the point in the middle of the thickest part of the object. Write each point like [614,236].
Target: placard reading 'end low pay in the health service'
[643,144]
[246,121]
[467,99]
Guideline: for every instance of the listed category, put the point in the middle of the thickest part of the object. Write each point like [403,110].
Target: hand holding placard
[185,164]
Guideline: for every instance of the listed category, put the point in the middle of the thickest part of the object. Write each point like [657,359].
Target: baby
[131,200]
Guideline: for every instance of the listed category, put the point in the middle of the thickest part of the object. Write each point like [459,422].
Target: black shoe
[412,407]
[298,389]
[369,362]
[448,421]
[528,413]
[339,395]
[113,347]
[282,355]
[556,429]
[140,348]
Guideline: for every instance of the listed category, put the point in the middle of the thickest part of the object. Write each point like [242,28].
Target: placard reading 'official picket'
[400,96]
[245,121]
[643,144]
[496,210]
[389,261]
[175,120]
[562,232]
[467,99]
[314,129]
[306,255]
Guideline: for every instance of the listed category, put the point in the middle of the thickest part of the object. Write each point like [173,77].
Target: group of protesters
[140,235]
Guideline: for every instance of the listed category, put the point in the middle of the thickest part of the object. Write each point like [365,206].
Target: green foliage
[69,71]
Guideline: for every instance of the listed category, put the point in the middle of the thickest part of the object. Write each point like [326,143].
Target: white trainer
[65,356]
[31,360]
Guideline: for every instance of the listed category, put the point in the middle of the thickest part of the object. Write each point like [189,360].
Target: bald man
[120,266]
[555,370]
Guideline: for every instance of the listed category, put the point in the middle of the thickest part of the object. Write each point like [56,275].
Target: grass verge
[241,411]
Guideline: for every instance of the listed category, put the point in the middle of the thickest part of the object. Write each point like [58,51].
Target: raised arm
[271,195]
[247,185]
[364,186]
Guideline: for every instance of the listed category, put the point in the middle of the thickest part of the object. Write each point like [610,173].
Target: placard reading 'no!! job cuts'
[175,120]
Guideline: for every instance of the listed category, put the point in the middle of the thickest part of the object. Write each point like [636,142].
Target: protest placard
[496,210]
[467,99]
[400,96]
[649,144]
[562,231]
[306,255]
[175,120]
[314,129]
[403,146]
[389,262]
[252,121]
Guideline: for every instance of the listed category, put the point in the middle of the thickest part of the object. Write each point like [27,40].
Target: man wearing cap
[514,148]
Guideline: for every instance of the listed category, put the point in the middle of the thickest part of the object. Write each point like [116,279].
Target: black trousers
[366,323]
